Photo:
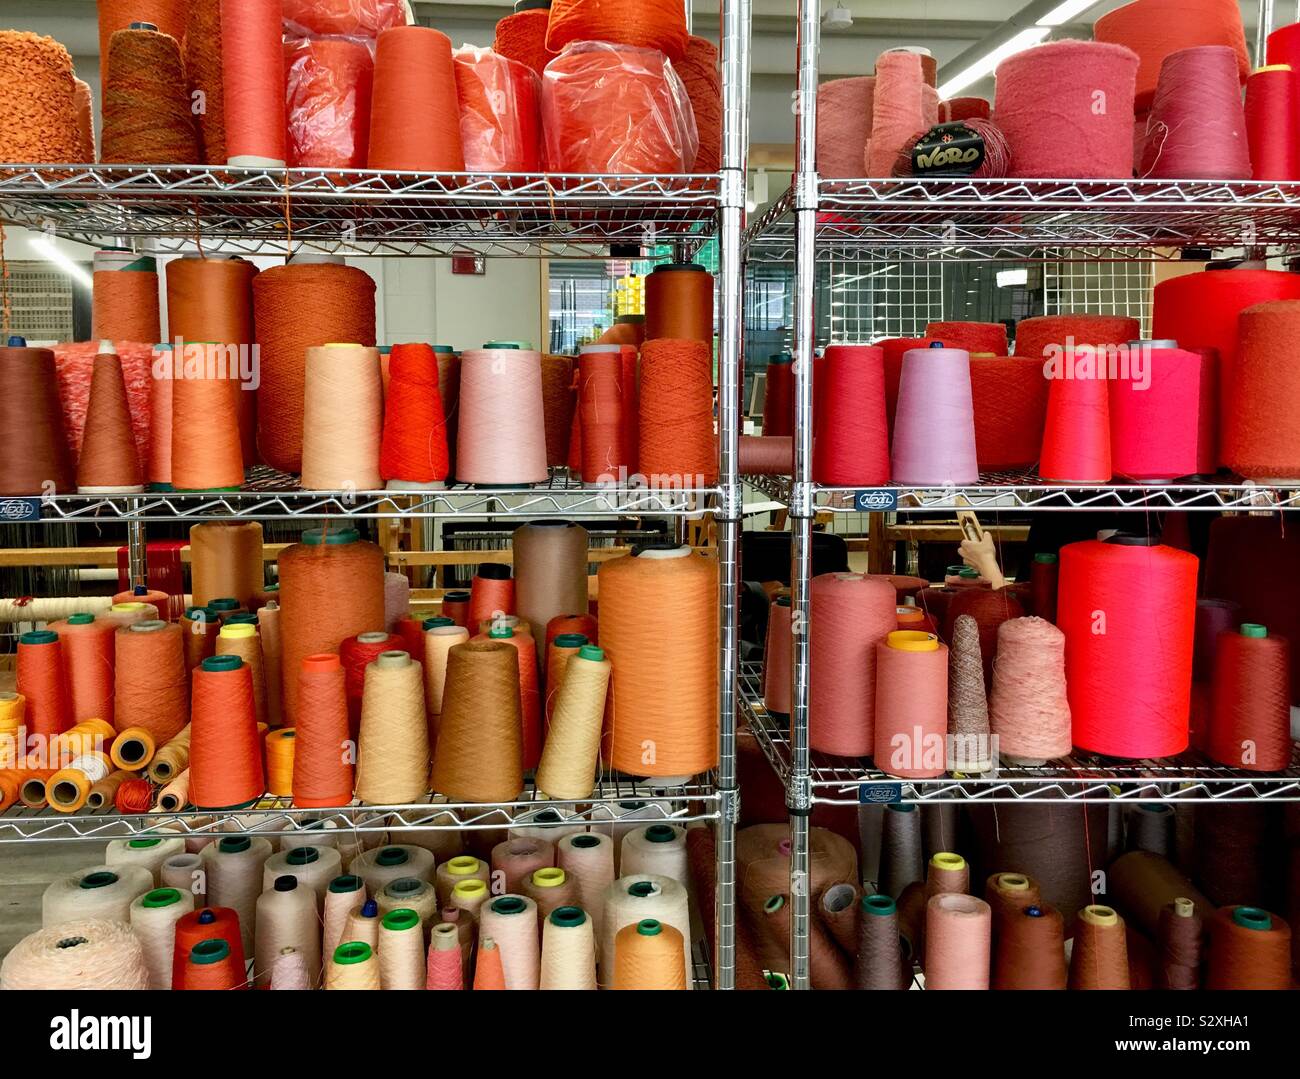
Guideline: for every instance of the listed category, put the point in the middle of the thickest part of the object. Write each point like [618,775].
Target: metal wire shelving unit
[820,222]
[167,210]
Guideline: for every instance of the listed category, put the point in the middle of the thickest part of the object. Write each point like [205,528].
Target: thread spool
[1029,710]
[1271,109]
[568,950]
[1099,958]
[314,867]
[153,921]
[633,898]
[413,894]
[1155,28]
[550,560]
[597,92]
[380,867]
[125,297]
[1029,953]
[184,872]
[561,650]
[108,462]
[698,69]
[1181,932]
[911,717]
[900,108]
[356,654]
[43,684]
[438,643]
[100,892]
[1197,127]
[201,48]
[207,454]
[679,303]
[852,443]
[1009,399]
[414,448]
[172,759]
[226,559]
[647,956]
[501,437]
[146,110]
[1251,722]
[1142,883]
[393,747]
[343,418]
[570,757]
[481,696]
[958,932]
[331,588]
[296,307]
[208,926]
[659,25]
[677,444]
[327,108]
[1009,894]
[602,414]
[225,757]
[150,853]
[444,969]
[968,718]
[656,849]
[352,966]
[32,404]
[41,116]
[322,771]
[500,128]
[87,653]
[454,870]
[234,868]
[777,658]
[1049,86]
[286,919]
[515,859]
[414,120]
[550,888]
[512,921]
[989,608]
[640,639]
[1249,949]
[343,894]
[1259,440]
[844,114]
[84,954]
[253,84]
[1077,431]
[1153,676]
[934,432]
[522,36]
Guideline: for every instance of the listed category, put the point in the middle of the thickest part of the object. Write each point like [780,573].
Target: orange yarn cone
[109,461]
[414,449]
[488,972]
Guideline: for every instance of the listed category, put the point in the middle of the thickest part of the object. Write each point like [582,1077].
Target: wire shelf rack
[1023,490]
[360,211]
[962,218]
[271,495]
[1188,777]
[695,801]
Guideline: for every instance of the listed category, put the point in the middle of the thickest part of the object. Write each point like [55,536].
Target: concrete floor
[25,871]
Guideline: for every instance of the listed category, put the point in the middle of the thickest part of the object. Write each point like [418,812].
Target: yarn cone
[108,459]
[968,709]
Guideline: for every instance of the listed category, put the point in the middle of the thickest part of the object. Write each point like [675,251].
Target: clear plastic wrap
[328,83]
[500,112]
[345,18]
[616,109]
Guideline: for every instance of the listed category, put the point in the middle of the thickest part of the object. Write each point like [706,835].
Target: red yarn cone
[414,448]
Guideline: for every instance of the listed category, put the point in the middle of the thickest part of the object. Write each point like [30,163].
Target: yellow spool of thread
[570,756]
[68,788]
[13,710]
[133,749]
[469,896]
[279,761]
[172,759]
[242,639]
[912,640]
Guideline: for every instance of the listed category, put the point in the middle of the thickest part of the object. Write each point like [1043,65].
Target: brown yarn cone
[146,112]
[203,66]
[946,873]
[838,911]
[1099,958]
[1248,958]
[828,967]
[108,454]
[542,888]
[968,706]
[1008,894]
[479,756]
[30,403]
[557,406]
[911,918]
[1029,952]
[1182,931]
[879,960]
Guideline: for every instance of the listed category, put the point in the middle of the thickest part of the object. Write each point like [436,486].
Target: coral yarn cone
[109,460]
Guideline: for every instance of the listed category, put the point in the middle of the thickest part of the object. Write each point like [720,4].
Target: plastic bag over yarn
[328,83]
[500,123]
[345,18]
[616,109]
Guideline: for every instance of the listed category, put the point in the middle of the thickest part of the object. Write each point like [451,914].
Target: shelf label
[20,509]
[876,500]
[880,793]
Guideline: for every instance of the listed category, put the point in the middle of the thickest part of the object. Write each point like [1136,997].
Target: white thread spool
[186,873]
[382,866]
[286,918]
[411,893]
[344,894]
[314,867]
[149,852]
[153,920]
[658,849]
[235,871]
[289,971]
[100,893]
[589,859]
[568,950]
[401,950]
[511,920]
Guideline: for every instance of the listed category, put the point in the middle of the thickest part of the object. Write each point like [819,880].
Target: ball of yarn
[616,109]
[522,37]
[698,69]
[37,100]
[147,113]
[997,152]
[1155,28]
[1066,109]
[844,108]
[1262,440]
[91,954]
[649,24]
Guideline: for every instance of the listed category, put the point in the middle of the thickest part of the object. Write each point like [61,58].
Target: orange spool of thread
[414,119]
[678,447]
[109,462]
[211,300]
[328,104]
[648,955]
[252,77]
[1076,432]
[584,624]
[207,450]
[203,66]
[42,681]
[147,117]
[308,303]
[281,747]
[1262,438]
[529,699]
[699,71]
[455,605]
[911,705]
[491,593]
[225,747]
[1009,396]
[356,654]
[331,588]
[522,36]
[226,560]
[1251,723]
[1249,949]
[322,771]
[208,924]
[151,689]
[125,297]
[644,637]
[211,965]
[679,303]
[557,406]
[651,24]
[414,449]
[88,652]
[199,627]
[603,414]
[114,15]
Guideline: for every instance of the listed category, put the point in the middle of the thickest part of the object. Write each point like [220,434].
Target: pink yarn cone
[844,110]
[934,428]
[1197,126]
[443,970]
[900,109]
